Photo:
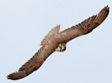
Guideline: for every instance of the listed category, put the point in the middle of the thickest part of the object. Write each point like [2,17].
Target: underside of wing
[86,26]
[52,32]
[33,64]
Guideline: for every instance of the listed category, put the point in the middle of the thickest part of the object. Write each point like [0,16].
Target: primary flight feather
[56,41]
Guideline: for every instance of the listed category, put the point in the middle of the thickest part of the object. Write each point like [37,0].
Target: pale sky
[23,25]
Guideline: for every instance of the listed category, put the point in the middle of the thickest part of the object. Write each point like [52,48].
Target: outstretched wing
[37,60]
[86,26]
[33,64]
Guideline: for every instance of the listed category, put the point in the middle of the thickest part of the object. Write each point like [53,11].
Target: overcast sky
[24,23]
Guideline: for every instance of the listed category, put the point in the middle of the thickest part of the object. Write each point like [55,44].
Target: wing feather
[33,64]
[86,26]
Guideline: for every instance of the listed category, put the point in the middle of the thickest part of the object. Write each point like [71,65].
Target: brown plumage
[56,40]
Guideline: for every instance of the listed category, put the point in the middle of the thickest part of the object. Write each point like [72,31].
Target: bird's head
[61,47]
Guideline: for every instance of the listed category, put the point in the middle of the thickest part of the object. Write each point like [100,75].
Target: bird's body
[56,41]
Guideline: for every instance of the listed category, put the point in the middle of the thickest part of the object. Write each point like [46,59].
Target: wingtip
[16,75]
[107,7]
[10,77]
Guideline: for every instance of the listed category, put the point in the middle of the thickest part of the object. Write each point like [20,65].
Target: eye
[64,48]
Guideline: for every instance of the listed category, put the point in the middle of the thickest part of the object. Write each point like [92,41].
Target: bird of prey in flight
[56,41]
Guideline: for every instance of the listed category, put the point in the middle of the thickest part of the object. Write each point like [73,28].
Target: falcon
[56,41]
